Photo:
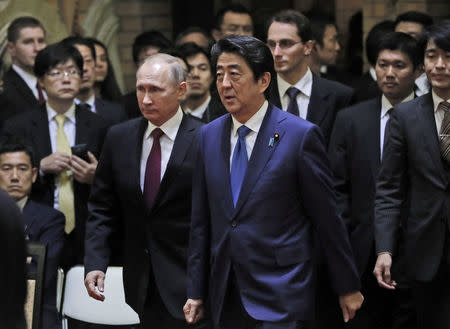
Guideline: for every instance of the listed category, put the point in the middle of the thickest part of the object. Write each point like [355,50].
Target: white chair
[79,306]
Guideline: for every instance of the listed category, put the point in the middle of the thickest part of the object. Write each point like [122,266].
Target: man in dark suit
[252,243]
[200,102]
[51,130]
[300,92]
[111,112]
[355,151]
[43,224]
[13,287]
[26,37]
[143,186]
[415,174]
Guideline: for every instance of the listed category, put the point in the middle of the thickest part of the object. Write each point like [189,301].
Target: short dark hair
[191,49]
[373,38]
[402,42]
[9,144]
[54,54]
[234,8]
[439,33]
[149,38]
[255,53]
[298,19]
[73,41]
[415,17]
[193,29]
[20,23]
[319,23]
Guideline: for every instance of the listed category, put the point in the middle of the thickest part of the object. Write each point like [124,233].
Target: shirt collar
[254,123]
[422,83]
[437,100]
[90,101]
[70,113]
[22,202]
[29,78]
[386,105]
[169,128]
[304,84]
[198,112]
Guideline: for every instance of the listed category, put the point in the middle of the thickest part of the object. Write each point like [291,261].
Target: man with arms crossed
[261,185]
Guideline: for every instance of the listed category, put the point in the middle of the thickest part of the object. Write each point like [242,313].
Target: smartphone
[80,150]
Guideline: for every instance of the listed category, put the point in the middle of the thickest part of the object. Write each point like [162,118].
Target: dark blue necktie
[293,105]
[239,163]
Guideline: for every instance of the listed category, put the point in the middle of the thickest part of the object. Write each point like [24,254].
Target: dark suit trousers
[156,315]
[234,315]
[382,308]
[432,299]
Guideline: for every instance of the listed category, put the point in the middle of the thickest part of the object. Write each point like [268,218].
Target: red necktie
[153,169]
[40,94]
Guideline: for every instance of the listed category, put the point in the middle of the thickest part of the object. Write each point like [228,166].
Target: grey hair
[176,71]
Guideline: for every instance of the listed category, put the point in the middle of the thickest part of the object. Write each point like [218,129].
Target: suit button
[233,224]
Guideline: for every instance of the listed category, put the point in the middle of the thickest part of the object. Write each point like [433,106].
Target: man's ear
[11,47]
[264,81]
[182,90]
[309,45]
[34,172]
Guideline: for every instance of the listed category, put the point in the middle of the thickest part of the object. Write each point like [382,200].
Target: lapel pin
[273,139]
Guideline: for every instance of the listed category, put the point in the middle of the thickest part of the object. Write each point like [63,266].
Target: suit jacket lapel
[41,132]
[83,126]
[431,139]
[224,169]
[183,140]
[373,136]
[318,106]
[21,86]
[29,216]
[135,138]
[262,152]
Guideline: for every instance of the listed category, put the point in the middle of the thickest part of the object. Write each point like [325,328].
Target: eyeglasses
[282,44]
[60,74]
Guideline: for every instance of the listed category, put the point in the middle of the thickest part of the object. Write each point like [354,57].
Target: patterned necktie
[385,138]
[41,97]
[66,197]
[153,169]
[444,133]
[239,163]
[292,92]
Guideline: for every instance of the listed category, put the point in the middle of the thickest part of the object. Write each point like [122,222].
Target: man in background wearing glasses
[52,130]
[300,92]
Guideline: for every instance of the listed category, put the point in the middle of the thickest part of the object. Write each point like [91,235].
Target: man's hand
[382,271]
[193,310]
[350,303]
[83,171]
[95,279]
[55,163]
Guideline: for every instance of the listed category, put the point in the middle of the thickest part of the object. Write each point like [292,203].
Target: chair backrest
[35,283]
[112,311]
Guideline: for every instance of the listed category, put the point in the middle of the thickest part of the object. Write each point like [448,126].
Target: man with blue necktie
[261,187]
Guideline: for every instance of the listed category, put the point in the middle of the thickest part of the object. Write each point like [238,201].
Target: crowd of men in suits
[236,185]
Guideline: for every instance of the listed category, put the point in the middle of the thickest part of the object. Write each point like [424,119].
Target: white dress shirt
[422,85]
[303,97]
[70,131]
[384,117]
[199,111]
[254,124]
[438,114]
[30,80]
[170,130]
[90,101]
